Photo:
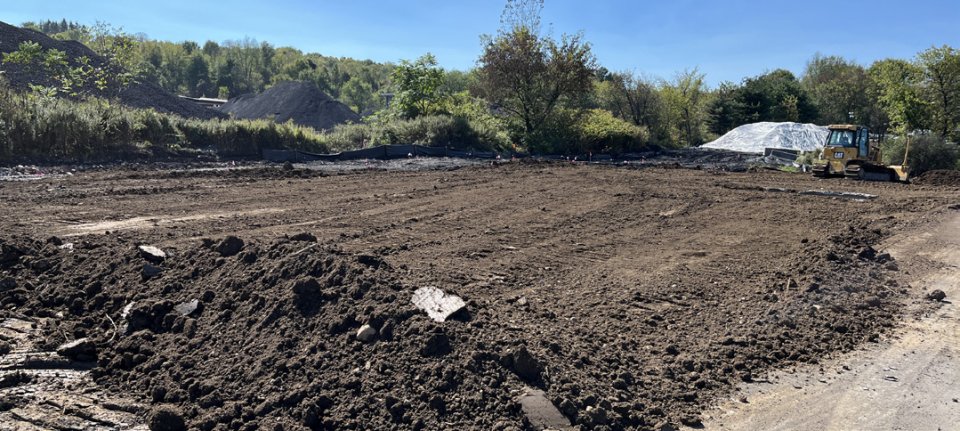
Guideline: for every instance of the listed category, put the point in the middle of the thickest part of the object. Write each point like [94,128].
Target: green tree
[528,75]
[685,104]
[776,96]
[895,84]
[418,86]
[358,93]
[838,88]
[726,109]
[941,73]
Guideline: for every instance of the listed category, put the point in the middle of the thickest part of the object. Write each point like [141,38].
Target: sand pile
[754,138]
[299,101]
[137,94]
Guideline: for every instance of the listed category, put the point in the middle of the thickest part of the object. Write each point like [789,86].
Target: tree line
[549,94]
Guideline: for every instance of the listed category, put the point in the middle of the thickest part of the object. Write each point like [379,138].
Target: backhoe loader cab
[850,152]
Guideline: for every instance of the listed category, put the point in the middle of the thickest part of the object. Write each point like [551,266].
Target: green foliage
[430,130]
[418,86]
[530,76]
[600,132]
[894,84]
[807,157]
[774,96]
[232,68]
[685,108]
[73,77]
[60,130]
[941,85]
[838,87]
[927,153]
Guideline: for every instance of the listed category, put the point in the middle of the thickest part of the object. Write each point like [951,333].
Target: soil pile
[234,334]
[754,138]
[939,178]
[138,94]
[298,101]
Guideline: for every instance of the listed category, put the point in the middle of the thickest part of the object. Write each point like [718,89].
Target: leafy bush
[927,153]
[433,131]
[589,131]
[600,132]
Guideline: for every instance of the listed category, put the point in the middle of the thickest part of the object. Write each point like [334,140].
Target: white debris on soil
[366,333]
[438,305]
[754,138]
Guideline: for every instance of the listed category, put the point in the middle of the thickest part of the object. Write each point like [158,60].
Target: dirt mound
[249,334]
[137,94]
[939,178]
[299,101]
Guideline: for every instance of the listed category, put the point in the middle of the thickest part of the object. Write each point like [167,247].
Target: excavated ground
[632,298]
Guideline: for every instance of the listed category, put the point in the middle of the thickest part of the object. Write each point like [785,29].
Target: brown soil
[633,298]
[939,178]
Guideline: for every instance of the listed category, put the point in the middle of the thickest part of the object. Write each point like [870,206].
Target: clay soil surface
[633,298]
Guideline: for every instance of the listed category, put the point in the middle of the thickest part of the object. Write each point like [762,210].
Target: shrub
[600,132]
[927,153]
[432,131]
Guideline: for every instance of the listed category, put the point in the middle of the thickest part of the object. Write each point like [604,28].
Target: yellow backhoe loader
[850,152]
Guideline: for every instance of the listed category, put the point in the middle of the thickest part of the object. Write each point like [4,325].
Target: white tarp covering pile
[754,138]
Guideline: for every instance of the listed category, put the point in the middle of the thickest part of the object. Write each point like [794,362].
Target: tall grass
[41,129]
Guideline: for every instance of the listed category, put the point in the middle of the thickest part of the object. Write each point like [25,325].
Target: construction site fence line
[387,152]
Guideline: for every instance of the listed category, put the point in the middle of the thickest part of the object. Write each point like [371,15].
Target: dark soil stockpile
[137,94]
[939,178]
[301,102]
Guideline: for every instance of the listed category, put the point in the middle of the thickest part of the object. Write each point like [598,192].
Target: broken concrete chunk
[229,246]
[152,254]
[78,350]
[366,333]
[437,304]
[540,412]
[186,308]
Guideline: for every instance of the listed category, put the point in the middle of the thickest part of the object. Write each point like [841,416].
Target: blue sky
[727,40]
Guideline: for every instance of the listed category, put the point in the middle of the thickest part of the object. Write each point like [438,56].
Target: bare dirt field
[632,298]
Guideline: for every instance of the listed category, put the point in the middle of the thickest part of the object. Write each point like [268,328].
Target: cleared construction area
[599,297]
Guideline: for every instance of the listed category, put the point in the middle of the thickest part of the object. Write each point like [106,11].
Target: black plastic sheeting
[383,152]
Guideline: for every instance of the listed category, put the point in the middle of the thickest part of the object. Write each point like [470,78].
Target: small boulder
[186,308]
[152,254]
[937,295]
[366,333]
[78,350]
[229,246]
[304,236]
[526,366]
[166,419]
[150,271]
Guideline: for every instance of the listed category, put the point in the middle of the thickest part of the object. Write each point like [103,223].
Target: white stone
[437,304]
[366,333]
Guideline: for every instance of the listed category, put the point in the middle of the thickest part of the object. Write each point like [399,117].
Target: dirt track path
[910,383]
